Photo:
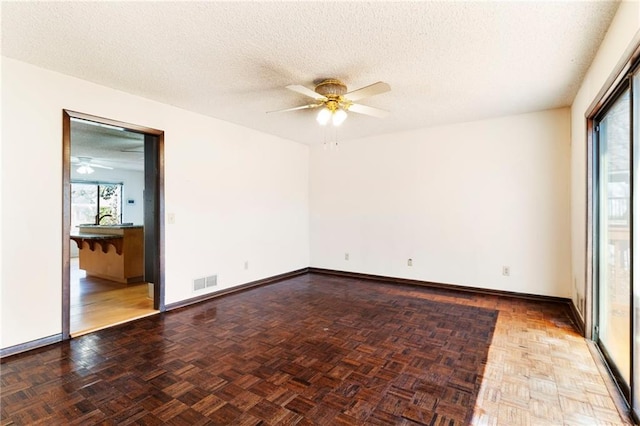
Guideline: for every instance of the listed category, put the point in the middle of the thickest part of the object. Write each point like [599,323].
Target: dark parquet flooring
[309,350]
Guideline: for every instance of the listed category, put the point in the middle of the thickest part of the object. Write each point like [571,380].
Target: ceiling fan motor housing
[331,88]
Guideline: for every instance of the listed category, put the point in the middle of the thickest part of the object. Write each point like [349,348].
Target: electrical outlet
[346,256]
[246,265]
[409,262]
[506,271]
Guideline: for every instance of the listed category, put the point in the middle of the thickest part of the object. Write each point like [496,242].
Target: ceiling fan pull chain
[324,143]
[335,138]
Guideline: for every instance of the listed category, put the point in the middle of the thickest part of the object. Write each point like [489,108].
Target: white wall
[461,200]
[238,195]
[620,35]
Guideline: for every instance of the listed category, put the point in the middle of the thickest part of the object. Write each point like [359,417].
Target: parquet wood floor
[319,350]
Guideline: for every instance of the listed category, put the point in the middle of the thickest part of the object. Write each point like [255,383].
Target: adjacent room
[319,212]
[106,258]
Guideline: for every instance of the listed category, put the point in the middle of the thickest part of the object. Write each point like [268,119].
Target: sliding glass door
[616,220]
[613,290]
[635,330]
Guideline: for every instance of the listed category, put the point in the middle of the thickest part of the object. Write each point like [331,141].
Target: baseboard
[607,376]
[453,287]
[576,318]
[236,289]
[34,344]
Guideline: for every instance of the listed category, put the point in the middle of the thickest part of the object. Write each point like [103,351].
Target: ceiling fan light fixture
[333,99]
[323,117]
[85,169]
[339,116]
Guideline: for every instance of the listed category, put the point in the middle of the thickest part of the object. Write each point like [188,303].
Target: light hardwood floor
[98,303]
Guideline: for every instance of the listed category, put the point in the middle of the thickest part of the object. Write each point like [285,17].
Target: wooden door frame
[158,288]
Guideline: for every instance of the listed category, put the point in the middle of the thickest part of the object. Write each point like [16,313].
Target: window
[95,201]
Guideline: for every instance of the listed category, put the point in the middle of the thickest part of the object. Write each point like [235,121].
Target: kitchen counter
[120,226]
[121,254]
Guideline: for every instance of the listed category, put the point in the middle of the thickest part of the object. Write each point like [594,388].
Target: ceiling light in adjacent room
[85,169]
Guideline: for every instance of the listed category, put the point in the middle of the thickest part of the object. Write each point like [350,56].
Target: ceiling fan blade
[305,91]
[367,110]
[134,149]
[367,91]
[99,166]
[88,161]
[296,108]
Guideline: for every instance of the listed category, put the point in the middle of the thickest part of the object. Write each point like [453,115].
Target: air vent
[205,282]
[199,284]
[211,281]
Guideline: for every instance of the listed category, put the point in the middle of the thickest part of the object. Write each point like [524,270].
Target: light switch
[171,218]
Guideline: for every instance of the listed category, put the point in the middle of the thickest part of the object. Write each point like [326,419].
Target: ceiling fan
[86,165]
[331,95]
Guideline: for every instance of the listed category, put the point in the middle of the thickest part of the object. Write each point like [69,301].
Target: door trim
[158,288]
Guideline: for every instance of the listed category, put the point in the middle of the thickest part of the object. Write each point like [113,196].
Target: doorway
[113,236]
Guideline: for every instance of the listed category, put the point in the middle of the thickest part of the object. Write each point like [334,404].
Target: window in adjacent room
[93,201]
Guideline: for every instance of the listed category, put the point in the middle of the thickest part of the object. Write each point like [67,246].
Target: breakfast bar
[112,252]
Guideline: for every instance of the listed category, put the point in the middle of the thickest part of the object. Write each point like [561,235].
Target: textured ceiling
[445,61]
[107,146]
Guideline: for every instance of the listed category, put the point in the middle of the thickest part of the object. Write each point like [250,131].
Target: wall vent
[205,282]
[199,284]
[211,281]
